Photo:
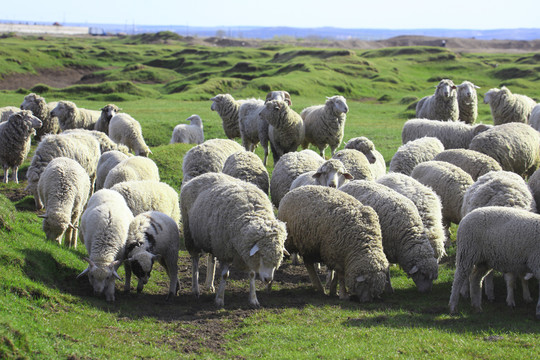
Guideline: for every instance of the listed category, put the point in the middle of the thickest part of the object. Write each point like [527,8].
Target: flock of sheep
[346,212]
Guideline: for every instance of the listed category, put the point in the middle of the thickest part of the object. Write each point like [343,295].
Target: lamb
[227,108]
[152,236]
[403,236]
[107,112]
[105,142]
[487,240]
[443,105]
[288,168]
[467,102]
[126,130]
[356,163]
[329,226]
[534,119]
[189,134]
[72,117]
[286,127]
[375,158]
[515,146]
[452,134]
[415,152]
[6,112]
[104,229]
[63,188]
[15,140]
[247,166]
[324,124]
[107,161]
[331,173]
[132,168]
[507,107]
[42,110]
[472,162]
[235,222]
[428,204]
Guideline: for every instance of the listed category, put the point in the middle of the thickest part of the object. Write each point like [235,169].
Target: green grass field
[46,313]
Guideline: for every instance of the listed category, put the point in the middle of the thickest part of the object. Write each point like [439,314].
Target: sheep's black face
[139,270]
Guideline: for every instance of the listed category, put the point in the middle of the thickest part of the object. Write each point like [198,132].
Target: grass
[45,312]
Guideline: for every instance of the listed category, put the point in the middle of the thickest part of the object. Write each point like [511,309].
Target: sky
[377,14]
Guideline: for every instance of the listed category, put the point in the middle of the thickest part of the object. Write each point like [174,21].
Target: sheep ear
[316,175]
[286,253]
[115,274]
[254,250]
[348,176]
[413,270]
[288,98]
[43,216]
[476,87]
[84,272]
[361,278]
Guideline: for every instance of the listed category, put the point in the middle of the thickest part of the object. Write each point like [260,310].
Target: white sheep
[107,112]
[507,107]
[152,236]
[324,124]
[331,173]
[105,142]
[413,153]
[250,125]
[443,105]
[15,140]
[63,188]
[356,163]
[472,162]
[452,134]
[375,158]
[235,222]
[132,168]
[6,112]
[104,229]
[72,117]
[227,108]
[247,166]
[191,133]
[329,226]
[534,119]
[42,110]
[126,130]
[107,161]
[467,102]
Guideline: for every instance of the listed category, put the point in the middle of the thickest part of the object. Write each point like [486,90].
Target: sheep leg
[127,269]
[210,273]
[332,283]
[314,277]
[67,237]
[526,293]
[171,266]
[388,286]
[538,303]
[329,278]
[295,259]
[253,302]
[510,281]
[342,289]
[220,295]
[6,173]
[475,285]
[14,174]
[459,279]
[490,288]
[195,275]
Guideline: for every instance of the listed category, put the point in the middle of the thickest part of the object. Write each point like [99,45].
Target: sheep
[428,204]
[107,161]
[126,130]
[107,112]
[413,153]
[356,163]
[15,140]
[331,173]
[288,168]
[443,105]
[507,107]
[82,148]
[132,168]
[235,222]
[72,117]
[286,127]
[487,240]
[404,239]
[375,158]
[472,162]
[6,112]
[247,166]
[324,124]
[329,226]
[63,188]
[189,134]
[104,229]
[227,108]
[105,142]
[453,135]
[210,156]
[150,195]
[467,102]
[41,109]
[515,146]
[152,236]
[534,119]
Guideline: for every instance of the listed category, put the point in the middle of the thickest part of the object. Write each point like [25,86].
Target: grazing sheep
[515,146]
[15,140]
[107,112]
[452,134]
[105,142]
[443,105]
[413,153]
[331,173]
[356,163]
[107,161]
[507,107]
[132,168]
[247,166]
[6,112]
[42,110]
[472,162]
[63,188]
[227,109]
[428,204]
[467,102]
[329,226]
[189,134]
[152,236]
[404,239]
[487,240]
[235,222]
[534,119]
[324,124]
[72,117]
[104,229]
[288,168]
[375,158]
[126,130]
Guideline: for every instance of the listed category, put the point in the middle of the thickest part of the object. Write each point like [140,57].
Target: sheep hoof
[220,303]
[254,305]
[170,297]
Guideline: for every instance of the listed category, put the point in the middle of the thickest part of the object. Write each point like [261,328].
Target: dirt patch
[58,78]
